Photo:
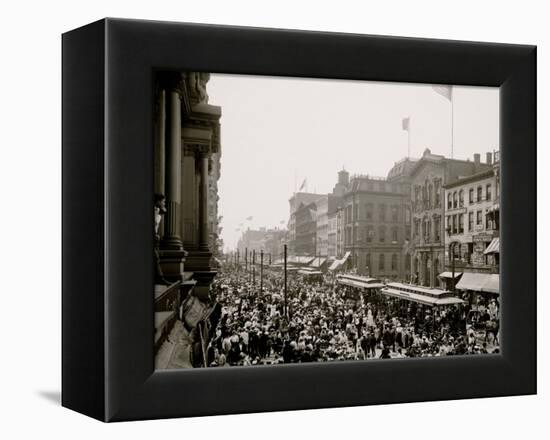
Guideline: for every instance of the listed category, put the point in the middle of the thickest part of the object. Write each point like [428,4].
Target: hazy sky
[276,132]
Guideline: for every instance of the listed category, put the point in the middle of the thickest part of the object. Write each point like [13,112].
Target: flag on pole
[406,123]
[303,185]
[445,91]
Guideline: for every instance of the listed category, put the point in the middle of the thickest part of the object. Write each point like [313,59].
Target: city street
[322,321]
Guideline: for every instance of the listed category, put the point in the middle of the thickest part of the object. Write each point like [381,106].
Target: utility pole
[254,267]
[261,271]
[285,257]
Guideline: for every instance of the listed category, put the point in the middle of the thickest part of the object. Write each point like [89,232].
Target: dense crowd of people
[322,320]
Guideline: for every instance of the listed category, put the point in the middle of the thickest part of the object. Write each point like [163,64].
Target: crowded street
[325,321]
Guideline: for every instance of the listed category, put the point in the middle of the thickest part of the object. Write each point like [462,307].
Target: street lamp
[261,271]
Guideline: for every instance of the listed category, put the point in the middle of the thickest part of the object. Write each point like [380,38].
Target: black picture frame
[108,360]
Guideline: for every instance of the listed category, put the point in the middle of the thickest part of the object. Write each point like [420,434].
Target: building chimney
[489,158]
[477,158]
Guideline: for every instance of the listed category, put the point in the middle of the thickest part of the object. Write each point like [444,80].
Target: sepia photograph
[306,220]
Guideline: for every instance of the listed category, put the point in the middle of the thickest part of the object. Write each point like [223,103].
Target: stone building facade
[428,178]
[472,221]
[374,212]
[305,243]
[295,202]
[186,160]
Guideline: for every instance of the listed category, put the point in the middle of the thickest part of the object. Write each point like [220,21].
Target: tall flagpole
[452,123]
[409,140]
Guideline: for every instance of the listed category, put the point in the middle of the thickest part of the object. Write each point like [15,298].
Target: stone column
[203,202]
[172,239]
[160,149]
[172,255]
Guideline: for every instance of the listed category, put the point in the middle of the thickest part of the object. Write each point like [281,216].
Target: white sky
[276,132]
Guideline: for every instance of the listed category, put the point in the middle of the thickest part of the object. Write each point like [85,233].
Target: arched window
[461,198]
[394,262]
[455,200]
[394,234]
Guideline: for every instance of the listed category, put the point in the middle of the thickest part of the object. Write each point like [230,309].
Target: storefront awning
[318,262]
[494,247]
[336,264]
[492,285]
[472,281]
[449,275]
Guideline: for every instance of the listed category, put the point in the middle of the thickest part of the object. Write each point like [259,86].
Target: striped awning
[494,247]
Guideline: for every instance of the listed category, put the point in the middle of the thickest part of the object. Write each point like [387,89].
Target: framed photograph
[263,219]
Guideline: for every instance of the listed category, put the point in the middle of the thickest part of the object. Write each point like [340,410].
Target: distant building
[428,177]
[374,225]
[297,200]
[270,241]
[305,242]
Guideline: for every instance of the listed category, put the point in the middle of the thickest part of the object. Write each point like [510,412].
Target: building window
[382,212]
[437,193]
[355,212]
[479,219]
[394,213]
[394,262]
[461,223]
[449,201]
[471,196]
[382,234]
[479,193]
[368,211]
[461,198]
[437,228]
[381,262]
[488,192]
[470,221]
[455,225]
[394,234]
[488,221]
[407,215]
[455,200]
[370,233]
